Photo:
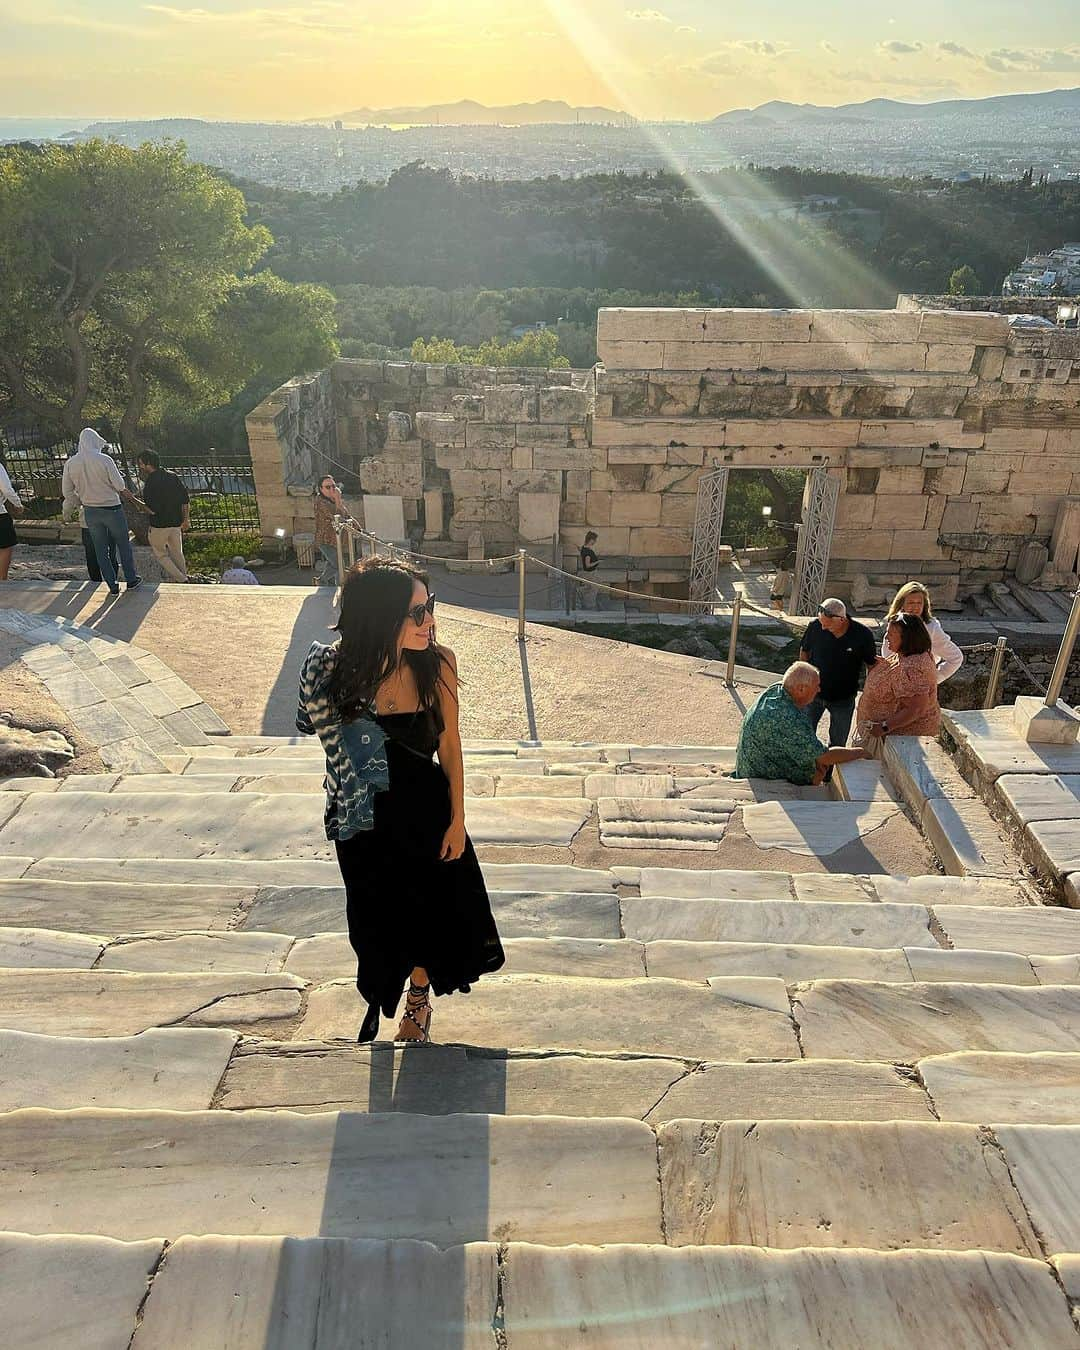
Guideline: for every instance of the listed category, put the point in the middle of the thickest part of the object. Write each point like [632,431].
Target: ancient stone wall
[954,438]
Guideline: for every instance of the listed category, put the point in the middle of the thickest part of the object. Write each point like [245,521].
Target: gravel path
[241,648]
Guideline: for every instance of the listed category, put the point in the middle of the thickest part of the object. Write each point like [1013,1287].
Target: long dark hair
[914,635]
[375,599]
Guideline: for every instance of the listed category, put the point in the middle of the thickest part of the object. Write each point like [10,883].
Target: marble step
[728,884]
[328,956]
[877,1185]
[185,1069]
[903,1023]
[128,907]
[270,1293]
[734,1019]
[238,825]
[446,1179]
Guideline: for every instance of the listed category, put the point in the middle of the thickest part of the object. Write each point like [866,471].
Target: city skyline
[676,59]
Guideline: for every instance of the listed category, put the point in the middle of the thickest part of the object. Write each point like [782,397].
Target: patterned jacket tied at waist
[356,762]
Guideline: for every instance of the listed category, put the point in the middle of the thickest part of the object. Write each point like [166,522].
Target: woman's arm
[8,493]
[450,758]
[947,655]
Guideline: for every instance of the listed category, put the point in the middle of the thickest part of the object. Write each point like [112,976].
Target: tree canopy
[127,284]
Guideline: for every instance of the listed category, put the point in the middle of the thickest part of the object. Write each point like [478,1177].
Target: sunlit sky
[289,59]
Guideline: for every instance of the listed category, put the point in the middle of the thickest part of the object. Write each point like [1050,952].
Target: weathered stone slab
[814,829]
[817,1184]
[996,749]
[969,967]
[967,839]
[934,890]
[674,823]
[1039,929]
[117,907]
[714,756]
[36,947]
[1016,1089]
[787,921]
[10,803]
[169,825]
[1040,796]
[305,911]
[117,1003]
[823,1089]
[742,1019]
[641,1298]
[540,877]
[685,883]
[63,1291]
[328,956]
[921,771]
[1056,845]
[629,785]
[461,1178]
[271,1294]
[1057,969]
[555,785]
[13,867]
[240,872]
[862,781]
[704,960]
[257,953]
[240,825]
[163,1069]
[1045,1165]
[838,888]
[901,1023]
[321,1076]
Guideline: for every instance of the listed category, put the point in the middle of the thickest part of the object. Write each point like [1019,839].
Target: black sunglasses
[418,612]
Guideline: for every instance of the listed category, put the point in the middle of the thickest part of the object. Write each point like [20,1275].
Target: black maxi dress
[405,907]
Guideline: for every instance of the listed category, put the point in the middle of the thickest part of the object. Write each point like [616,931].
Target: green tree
[125,281]
[964,282]
[533,349]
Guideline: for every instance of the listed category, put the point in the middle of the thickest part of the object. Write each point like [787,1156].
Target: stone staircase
[700,1106]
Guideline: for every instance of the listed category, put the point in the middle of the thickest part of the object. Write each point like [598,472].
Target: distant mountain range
[467,112]
[890,110]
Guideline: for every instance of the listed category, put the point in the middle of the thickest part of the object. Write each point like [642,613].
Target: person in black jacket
[840,649]
[166,499]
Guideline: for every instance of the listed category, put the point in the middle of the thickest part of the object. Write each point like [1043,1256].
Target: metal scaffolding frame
[708,525]
[815,540]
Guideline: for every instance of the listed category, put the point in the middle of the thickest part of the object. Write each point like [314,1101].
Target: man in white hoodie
[92,481]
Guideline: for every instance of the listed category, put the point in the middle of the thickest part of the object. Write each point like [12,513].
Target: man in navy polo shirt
[841,649]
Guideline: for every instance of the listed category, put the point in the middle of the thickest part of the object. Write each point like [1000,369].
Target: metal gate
[815,541]
[708,524]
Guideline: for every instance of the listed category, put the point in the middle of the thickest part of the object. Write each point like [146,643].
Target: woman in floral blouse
[901,692]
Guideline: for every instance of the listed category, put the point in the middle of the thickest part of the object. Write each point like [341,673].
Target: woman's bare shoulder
[447,655]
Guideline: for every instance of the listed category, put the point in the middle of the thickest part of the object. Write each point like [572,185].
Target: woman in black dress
[383,700]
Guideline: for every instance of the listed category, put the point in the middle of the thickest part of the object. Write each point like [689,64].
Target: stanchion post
[994,680]
[736,615]
[350,546]
[521,594]
[340,558]
[1061,665]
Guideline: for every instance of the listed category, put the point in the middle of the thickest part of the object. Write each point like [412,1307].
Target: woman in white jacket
[914,598]
[10,505]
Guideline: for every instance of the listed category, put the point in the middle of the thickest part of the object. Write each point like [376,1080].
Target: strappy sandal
[416,1000]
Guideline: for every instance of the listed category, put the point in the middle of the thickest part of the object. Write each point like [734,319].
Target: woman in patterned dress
[383,700]
[900,695]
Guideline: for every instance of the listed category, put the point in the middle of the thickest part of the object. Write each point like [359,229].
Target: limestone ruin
[941,443]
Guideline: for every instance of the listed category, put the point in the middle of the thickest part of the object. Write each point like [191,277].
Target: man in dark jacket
[840,649]
[167,500]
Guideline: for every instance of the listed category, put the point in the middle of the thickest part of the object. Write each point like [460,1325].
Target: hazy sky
[285,59]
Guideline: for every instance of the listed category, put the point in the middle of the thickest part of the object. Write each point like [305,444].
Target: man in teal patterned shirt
[777,740]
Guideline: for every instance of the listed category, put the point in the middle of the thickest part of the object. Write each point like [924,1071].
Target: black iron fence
[222,486]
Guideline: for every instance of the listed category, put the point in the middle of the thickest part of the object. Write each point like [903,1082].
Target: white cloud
[828,47]
[1008,60]
[324,17]
[685,28]
[759,48]
[647,16]
[896,48]
[955,49]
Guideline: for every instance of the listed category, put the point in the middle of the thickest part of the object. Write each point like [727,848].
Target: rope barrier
[352,528]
